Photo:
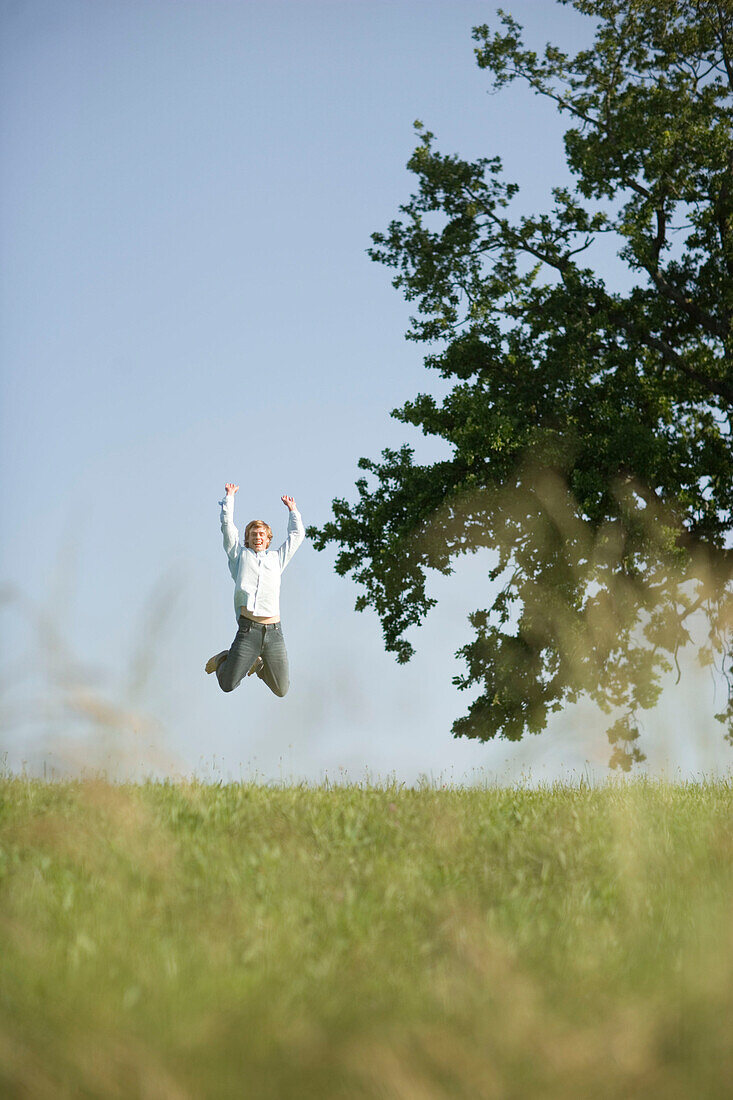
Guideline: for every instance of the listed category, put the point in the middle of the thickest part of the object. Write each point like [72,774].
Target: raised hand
[231,488]
[289,503]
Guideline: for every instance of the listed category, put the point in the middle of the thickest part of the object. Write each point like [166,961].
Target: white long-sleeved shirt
[257,573]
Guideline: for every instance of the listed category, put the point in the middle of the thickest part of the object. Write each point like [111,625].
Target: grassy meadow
[187,940]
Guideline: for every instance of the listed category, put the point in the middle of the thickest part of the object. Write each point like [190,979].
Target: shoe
[256,667]
[213,662]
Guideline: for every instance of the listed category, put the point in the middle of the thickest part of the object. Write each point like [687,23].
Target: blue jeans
[255,640]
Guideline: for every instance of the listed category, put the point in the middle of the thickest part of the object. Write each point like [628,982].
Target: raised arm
[296,532]
[228,530]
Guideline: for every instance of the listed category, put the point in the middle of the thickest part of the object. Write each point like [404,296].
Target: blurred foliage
[590,424]
[183,940]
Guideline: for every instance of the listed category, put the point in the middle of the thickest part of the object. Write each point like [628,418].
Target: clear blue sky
[188,191]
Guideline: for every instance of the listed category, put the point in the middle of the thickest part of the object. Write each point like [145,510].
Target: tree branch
[568,105]
[720,34]
[693,311]
[661,233]
[719,389]
[723,222]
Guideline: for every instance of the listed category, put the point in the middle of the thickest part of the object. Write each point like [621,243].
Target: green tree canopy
[590,423]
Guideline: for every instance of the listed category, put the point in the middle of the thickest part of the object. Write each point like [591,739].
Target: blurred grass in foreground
[192,940]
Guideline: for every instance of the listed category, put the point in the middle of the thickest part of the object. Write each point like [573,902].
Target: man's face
[258,538]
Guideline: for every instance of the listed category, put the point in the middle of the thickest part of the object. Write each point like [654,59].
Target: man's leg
[275,671]
[242,654]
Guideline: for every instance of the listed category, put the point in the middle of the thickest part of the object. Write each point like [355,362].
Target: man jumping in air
[259,647]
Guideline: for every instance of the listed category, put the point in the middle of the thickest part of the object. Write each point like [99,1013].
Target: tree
[590,423]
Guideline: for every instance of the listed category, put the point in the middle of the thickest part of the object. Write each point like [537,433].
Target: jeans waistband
[251,622]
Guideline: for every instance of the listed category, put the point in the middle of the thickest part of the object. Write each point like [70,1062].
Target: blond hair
[257,523]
